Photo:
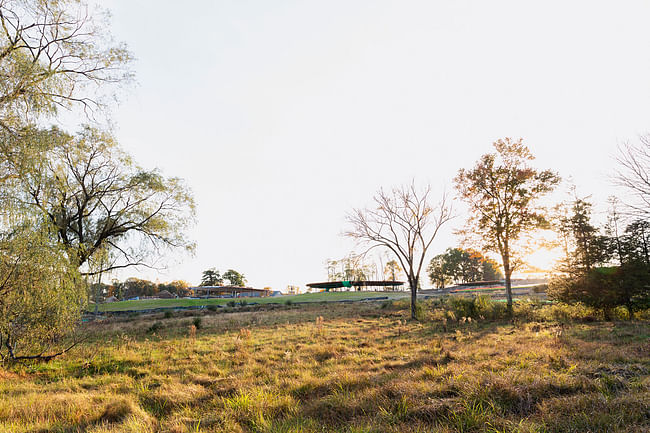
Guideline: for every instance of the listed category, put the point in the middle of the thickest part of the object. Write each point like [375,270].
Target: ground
[361,367]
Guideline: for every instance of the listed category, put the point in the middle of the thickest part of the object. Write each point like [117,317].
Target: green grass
[358,367]
[147,304]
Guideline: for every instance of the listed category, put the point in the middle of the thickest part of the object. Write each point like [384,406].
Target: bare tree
[633,174]
[404,222]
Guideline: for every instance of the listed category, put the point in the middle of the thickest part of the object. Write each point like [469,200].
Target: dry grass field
[341,368]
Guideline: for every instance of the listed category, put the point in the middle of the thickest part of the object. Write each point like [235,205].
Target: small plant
[243,302]
[155,327]
[168,314]
[319,324]
[288,302]
[196,322]
[245,334]
[192,332]
[212,307]
[232,304]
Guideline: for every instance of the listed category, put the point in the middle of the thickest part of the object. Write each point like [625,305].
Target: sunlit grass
[342,368]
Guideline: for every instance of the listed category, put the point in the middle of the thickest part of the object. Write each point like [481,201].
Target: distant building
[356,285]
[229,292]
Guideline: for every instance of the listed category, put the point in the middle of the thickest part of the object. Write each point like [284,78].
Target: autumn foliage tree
[502,191]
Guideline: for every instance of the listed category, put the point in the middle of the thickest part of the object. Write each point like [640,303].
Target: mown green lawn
[147,304]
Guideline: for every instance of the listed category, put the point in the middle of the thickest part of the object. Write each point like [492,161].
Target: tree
[636,244]
[55,54]
[234,278]
[589,273]
[211,277]
[633,174]
[392,270]
[96,197]
[491,270]
[40,293]
[501,191]
[404,222]
[437,271]
[459,265]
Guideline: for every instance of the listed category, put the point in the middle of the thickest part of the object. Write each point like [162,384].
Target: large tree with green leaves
[96,198]
[234,278]
[502,191]
[56,54]
[211,277]
[460,265]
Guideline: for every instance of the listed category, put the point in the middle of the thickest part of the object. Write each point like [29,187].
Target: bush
[197,322]
[288,302]
[243,302]
[480,306]
[212,307]
[41,297]
[540,288]
[232,304]
[155,327]
[168,314]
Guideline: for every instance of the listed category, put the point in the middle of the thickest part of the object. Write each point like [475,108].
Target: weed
[155,327]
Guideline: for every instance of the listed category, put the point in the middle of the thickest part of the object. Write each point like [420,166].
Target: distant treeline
[135,287]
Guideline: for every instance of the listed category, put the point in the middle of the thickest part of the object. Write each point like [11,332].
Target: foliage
[392,270]
[41,295]
[350,268]
[404,222]
[234,278]
[587,273]
[211,277]
[459,265]
[56,54]
[95,197]
[501,192]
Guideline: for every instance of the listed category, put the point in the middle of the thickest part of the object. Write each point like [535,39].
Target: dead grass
[341,368]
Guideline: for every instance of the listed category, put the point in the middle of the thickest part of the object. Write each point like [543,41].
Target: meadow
[145,304]
[358,367]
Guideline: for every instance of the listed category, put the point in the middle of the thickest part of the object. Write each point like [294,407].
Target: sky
[283,116]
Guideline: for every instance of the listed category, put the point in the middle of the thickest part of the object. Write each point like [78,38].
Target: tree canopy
[501,191]
[56,54]
[459,265]
[96,197]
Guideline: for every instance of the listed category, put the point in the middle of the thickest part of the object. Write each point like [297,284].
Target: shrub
[168,314]
[197,322]
[41,297]
[155,327]
[212,307]
[232,304]
[288,302]
[243,302]
[540,288]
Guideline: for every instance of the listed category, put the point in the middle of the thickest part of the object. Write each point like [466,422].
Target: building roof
[338,284]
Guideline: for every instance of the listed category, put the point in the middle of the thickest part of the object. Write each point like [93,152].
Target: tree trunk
[508,273]
[414,297]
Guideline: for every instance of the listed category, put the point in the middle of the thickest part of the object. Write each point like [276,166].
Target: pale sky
[284,115]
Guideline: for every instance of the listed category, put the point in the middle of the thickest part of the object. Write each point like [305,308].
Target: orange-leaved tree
[502,192]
